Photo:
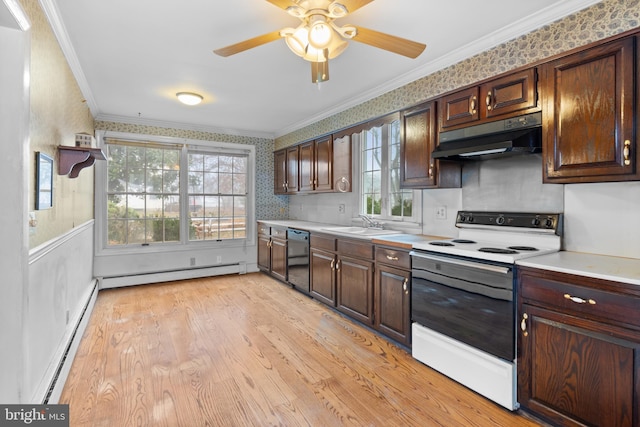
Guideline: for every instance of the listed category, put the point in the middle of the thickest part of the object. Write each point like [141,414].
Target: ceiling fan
[319,38]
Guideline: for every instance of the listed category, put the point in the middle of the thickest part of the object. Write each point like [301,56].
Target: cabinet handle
[404,286]
[523,324]
[627,152]
[338,265]
[488,101]
[473,105]
[333,264]
[579,300]
[392,258]
[431,170]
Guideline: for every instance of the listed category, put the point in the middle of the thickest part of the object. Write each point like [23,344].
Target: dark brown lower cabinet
[323,276]
[392,290]
[355,288]
[579,351]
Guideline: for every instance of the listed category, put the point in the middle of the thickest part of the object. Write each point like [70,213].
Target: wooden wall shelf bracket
[74,159]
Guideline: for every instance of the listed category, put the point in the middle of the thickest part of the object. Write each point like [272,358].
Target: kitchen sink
[360,231]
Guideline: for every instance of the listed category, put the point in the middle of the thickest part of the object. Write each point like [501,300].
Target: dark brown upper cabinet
[417,142]
[316,159]
[286,178]
[513,94]
[589,113]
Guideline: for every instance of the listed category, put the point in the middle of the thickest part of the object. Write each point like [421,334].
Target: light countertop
[618,269]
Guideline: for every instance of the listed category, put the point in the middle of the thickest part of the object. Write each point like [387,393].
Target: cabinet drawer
[327,243]
[579,298]
[354,248]
[393,257]
[263,228]
[279,232]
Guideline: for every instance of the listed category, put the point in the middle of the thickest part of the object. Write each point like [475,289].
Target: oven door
[466,300]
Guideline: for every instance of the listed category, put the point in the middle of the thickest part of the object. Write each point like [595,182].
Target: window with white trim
[167,193]
[381,195]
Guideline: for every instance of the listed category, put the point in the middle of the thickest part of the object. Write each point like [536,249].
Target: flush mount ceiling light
[318,38]
[189,98]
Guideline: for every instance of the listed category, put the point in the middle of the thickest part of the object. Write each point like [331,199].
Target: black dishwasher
[298,259]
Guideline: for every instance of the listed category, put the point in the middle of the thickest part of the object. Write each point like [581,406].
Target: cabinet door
[588,113]
[323,276]
[307,166]
[577,372]
[355,288]
[342,164]
[417,168]
[508,94]
[292,170]
[323,156]
[279,259]
[392,290]
[459,108]
[280,172]
[264,253]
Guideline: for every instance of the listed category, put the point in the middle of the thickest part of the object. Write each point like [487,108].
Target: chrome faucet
[370,223]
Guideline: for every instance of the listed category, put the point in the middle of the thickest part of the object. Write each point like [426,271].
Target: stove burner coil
[441,244]
[463,241]
[498,251]
[523,248]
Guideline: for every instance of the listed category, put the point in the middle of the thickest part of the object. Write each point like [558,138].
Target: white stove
[501,237]
[463,297]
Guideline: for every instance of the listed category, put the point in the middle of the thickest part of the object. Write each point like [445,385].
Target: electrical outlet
[441,212]
[219,259]
[192,262]
[341,208]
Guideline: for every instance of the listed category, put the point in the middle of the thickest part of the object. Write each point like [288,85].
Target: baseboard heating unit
[107,282]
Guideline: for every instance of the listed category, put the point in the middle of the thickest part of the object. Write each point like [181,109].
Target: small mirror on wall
[44,181]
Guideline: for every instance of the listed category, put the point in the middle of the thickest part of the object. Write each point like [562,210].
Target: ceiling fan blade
[388,42]
[247,44]
[283,4]
[353,5]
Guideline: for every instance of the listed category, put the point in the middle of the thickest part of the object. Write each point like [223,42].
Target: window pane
[211,183]
[226,183]
[196,182]
[144,183]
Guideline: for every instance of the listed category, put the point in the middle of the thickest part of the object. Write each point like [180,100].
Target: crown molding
[510,32]
[53,15]
[183,126]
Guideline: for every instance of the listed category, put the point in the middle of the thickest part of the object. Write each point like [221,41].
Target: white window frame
[409,223]
[101,173]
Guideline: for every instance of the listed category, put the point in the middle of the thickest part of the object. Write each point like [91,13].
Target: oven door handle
[463,263]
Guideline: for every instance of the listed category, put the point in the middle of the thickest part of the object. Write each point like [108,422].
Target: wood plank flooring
[247,350]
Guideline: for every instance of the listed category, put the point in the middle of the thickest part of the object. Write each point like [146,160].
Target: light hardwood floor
[247,350]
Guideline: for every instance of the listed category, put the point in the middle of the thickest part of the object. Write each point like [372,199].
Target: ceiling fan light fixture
[296,11]
[338,10]
[320,33]
[297,39]
[189,98]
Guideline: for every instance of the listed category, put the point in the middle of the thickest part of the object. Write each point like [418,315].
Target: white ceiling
[130,57]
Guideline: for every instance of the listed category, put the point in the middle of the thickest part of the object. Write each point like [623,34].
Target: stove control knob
[535,222]
[548,222]
[500,220]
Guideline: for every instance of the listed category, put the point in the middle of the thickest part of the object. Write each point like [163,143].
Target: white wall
[14,152]
[60,285]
